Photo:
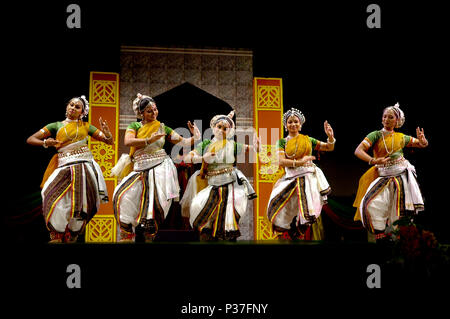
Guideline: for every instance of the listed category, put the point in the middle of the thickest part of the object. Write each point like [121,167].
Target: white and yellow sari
[73,185]
[149,183]
[387,192]
[216,196]
[301,191]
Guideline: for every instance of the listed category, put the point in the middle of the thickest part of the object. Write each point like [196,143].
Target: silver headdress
[228,118]
[295,112]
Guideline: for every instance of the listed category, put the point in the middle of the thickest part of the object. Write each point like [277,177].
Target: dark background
[333,68]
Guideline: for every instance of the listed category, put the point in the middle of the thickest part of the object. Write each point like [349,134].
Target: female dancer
[216,195]
[148,176]
[389,189]
[73,185]
[298,196]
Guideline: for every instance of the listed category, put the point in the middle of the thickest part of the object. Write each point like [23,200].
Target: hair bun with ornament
[140,103]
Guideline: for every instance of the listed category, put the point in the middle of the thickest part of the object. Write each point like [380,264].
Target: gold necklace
[385,146]
[295,151]
[76,134]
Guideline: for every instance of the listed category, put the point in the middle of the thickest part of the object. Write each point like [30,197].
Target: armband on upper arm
[413,141]
[366,143]
[319,145]
[98,135]
[45,133]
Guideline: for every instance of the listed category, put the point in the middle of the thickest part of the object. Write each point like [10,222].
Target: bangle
[293,164]
[328,141]
[45,143]
[370,161]
[146,141]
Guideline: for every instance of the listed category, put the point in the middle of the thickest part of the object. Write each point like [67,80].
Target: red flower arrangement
[415,247]
[416,243]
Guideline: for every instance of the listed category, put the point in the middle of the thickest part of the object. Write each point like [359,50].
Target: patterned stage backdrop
[268,117]
[104,102]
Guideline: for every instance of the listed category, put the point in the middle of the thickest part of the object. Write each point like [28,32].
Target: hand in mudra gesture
[209,157]
[156,136]
[306,159]
[421,137]
[328,130]
[194,130]
[104,127]
[256,143]
[52,142]
[380,160]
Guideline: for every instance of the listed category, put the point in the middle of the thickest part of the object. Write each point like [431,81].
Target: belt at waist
[393,162]
[143,161]
[219,171]
[308,167]
[79,154]
[80,150]
[394,167]
[137,157]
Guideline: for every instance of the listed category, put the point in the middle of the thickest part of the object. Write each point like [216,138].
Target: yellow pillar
[104,102]
[268,118]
